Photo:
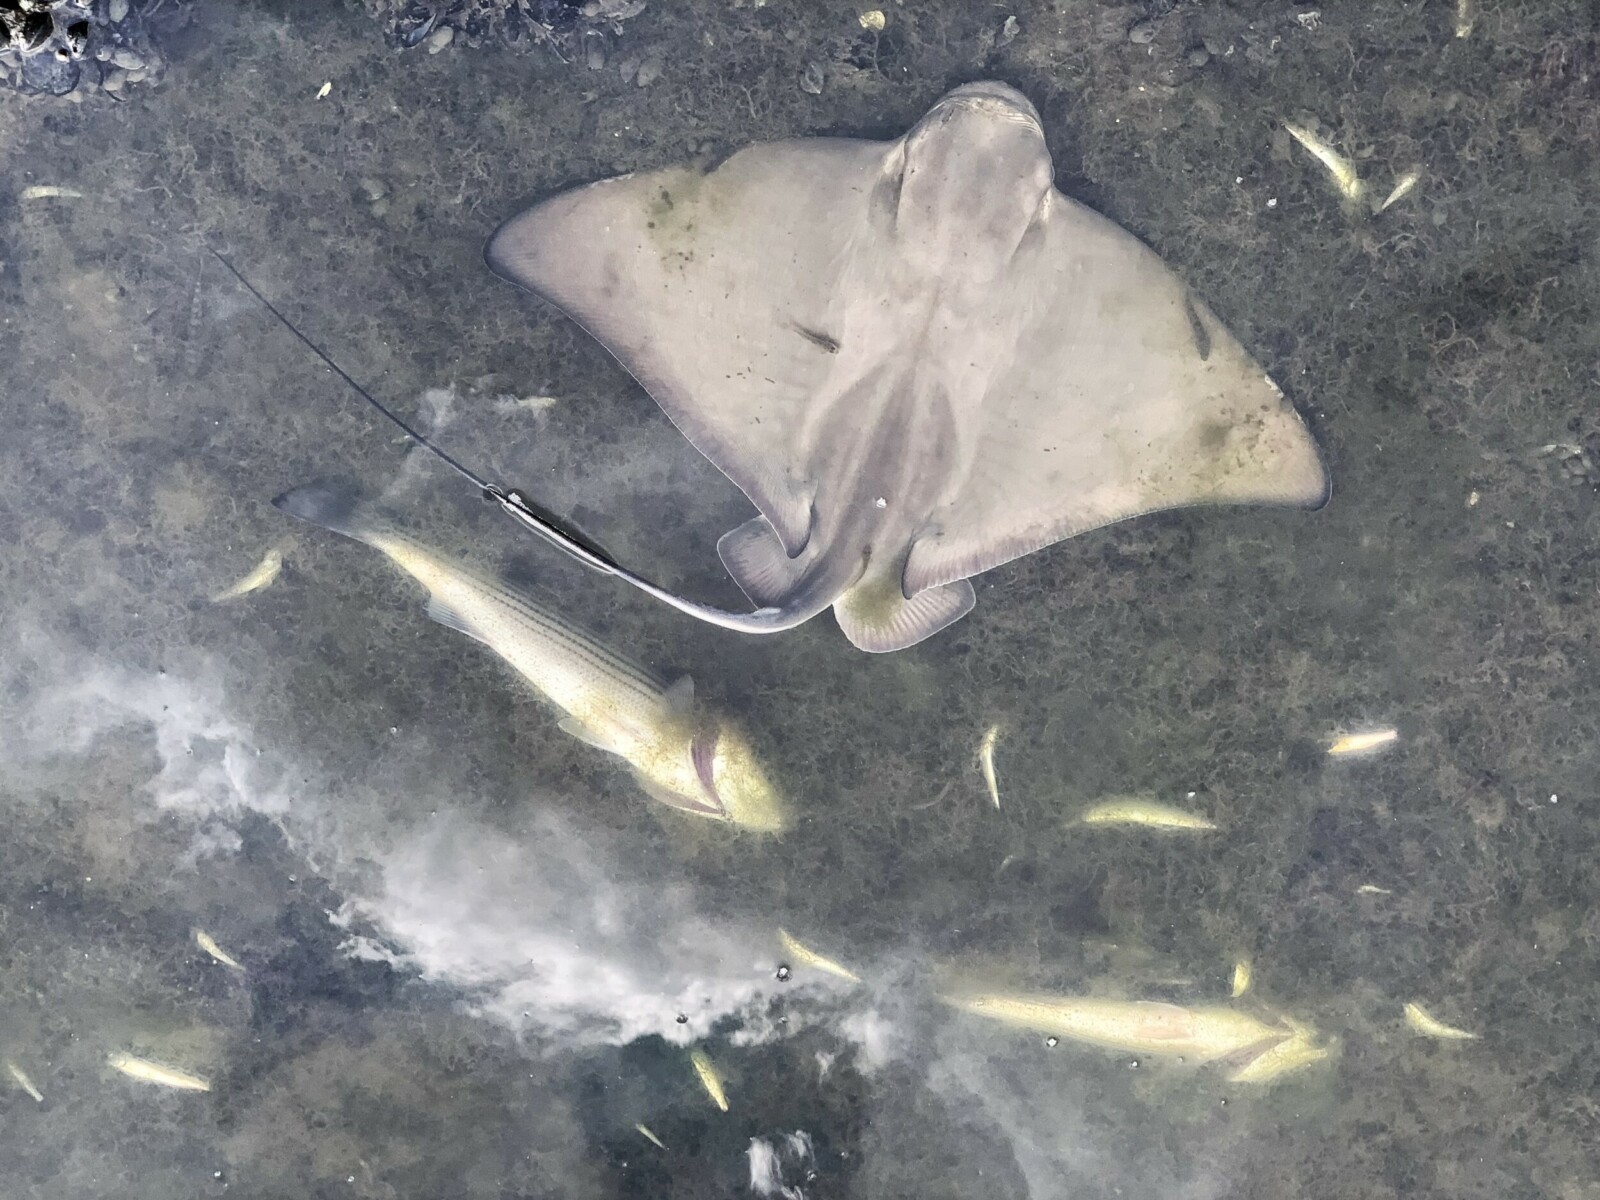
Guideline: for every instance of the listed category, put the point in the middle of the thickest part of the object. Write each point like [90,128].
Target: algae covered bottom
[450,950]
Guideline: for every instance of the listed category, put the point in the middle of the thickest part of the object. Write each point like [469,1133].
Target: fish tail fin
[333,504]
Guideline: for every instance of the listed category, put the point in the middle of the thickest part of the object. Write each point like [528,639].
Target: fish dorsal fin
[588,735]
[680,694]
[440,610]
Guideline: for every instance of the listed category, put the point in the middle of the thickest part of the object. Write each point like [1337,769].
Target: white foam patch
[559,930]
[550,931]
[209,763]
[778,1166]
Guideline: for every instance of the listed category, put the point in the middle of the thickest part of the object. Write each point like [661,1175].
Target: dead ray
[917,358]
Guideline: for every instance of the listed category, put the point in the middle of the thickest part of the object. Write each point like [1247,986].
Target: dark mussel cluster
[558,25]
[49,47]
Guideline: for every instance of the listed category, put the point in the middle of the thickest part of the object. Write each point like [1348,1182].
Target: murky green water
[475,956]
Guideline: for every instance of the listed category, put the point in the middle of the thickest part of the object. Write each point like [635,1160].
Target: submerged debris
[1142,810]
[146,1071]
[1465,18]
[1425,1023]
[986,762]
[873,20]
[710,1078]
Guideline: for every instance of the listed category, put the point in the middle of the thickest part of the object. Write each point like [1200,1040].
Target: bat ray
[917,358]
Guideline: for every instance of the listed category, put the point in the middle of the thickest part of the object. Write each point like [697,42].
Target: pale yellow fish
[682,753]
[1242,977]
[1369,741]
[23,1082]
[807,957]
[260,576]
[710,1079]
[1197,1035]
[1465,19]
[1294,1053]
[646,1132]
[1340,167]
[151,1072]
[49,191]
[1141,810]
[986,762]
[207,943]
[322,92]
[1403,187]
[1430,1026]
[1372,889]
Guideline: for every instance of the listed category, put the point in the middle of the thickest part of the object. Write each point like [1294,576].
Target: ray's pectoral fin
[754,555]
[877,617]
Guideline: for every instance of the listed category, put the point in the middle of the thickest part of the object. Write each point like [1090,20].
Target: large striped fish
[682,754]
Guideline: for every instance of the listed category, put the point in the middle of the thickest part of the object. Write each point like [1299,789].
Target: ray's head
[975,167]
[734,785]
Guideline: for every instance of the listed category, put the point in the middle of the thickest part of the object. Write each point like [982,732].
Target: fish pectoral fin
[588,734]
[680,695]
[754,555]
[672,799]
[440,611]
[879,619]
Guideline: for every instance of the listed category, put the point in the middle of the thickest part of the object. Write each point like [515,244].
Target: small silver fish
[146,1071]
[1141,810]
[683,756]
[710,1078]
[986,762]
[649,1134]
[207,943]
[49,191]
[1368,741]
[1341,168]
[259,576]
[807,957]
[24,1082]
[1403,187]
[1425,1023]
